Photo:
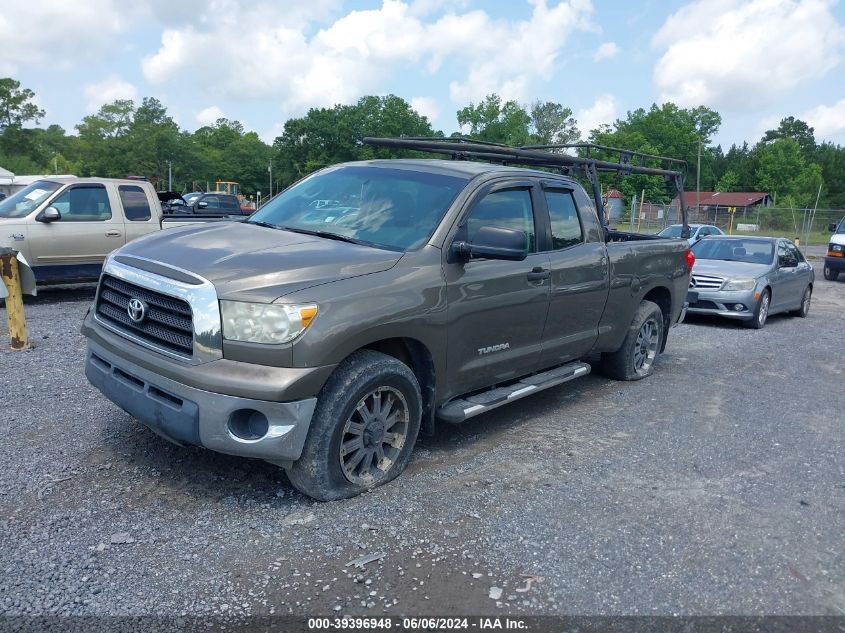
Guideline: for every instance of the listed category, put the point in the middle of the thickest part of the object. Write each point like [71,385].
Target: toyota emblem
[136,310]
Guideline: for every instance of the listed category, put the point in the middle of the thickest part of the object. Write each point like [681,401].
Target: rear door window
[136,207]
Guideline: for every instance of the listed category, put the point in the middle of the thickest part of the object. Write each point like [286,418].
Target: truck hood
[727,269]
[253,263]
[837,238]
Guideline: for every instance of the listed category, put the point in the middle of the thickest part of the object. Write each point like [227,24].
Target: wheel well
[663,298]
[416,356]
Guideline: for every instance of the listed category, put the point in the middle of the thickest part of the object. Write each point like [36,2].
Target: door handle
[113,233]
[538,274]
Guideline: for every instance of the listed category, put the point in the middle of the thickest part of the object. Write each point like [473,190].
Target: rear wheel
[804,309]
[363,430]
[761,312]
[635,359]
[830,274]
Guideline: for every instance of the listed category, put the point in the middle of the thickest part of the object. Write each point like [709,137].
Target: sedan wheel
[804,310]
[761,313]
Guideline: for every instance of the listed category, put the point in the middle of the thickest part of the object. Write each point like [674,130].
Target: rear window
[135,204]
[750,251]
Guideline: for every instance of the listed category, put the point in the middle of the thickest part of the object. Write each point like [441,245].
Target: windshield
[673,231]
[750,251]
[26,200]
[396,209]
[841,227]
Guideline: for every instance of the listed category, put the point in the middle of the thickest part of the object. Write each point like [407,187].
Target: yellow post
[14,302]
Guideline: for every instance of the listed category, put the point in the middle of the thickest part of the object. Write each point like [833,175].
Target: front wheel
[761,312]
[635,359]
[830,274]
[363,430]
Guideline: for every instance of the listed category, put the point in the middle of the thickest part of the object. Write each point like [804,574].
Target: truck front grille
[167,322]
[706,282]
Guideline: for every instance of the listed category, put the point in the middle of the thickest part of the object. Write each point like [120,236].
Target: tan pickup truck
[65,227]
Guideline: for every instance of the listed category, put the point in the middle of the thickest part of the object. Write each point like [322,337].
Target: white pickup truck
[65,227]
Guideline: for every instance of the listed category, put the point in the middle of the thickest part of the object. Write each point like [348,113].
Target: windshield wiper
[264,224]
[326,234]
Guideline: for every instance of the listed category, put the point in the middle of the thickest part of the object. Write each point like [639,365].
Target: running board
[461,409]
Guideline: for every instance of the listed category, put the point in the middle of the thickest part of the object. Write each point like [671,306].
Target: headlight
[265,322]
[739,284]
[836,248]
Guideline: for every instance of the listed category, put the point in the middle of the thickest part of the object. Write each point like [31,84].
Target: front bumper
[187,415]
[834,263]
[721,303]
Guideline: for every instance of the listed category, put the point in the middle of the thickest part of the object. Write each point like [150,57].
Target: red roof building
[738,199]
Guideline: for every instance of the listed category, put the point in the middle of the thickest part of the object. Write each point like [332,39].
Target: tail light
[690,260]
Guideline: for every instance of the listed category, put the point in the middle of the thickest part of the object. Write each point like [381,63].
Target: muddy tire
[363,430]
[635,359]
[830,274]
[761,312]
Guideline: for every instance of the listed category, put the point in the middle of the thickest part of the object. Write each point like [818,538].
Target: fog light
[248,424]
[739,307]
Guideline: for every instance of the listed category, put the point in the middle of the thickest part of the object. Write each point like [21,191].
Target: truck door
[137,211]
[579,276]
[496,308]
[77,243]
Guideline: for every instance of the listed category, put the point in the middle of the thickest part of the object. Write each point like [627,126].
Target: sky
[265,61]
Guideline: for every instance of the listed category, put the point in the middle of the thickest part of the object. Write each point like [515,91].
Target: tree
[728,181]
[552,123]
[783,172]
[798,131]
[326,136]
[496,122]
[665,130]
[16,104]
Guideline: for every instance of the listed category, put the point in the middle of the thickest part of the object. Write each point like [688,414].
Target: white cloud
[738,55]
[106,91]
[357,52]
[57,33]
[827,121]
[608,50]
[209,115]
[427,107]
[602,111]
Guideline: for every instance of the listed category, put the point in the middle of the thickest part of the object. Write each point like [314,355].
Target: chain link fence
[810,226]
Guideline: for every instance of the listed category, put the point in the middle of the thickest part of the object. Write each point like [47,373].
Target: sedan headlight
[739,284]
[265,322]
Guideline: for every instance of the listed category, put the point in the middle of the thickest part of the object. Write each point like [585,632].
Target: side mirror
[493,242]
[202,204]
[832,227]
[50,214]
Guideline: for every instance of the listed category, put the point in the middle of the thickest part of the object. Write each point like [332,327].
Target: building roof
[724,198]
[613,193]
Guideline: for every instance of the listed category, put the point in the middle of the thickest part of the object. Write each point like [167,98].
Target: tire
[761,312]
[364,393]
[635,359]
[830,274]
[804,310]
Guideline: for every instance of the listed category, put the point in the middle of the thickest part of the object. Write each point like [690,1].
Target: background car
[696,231]
[834,261]
[749,278]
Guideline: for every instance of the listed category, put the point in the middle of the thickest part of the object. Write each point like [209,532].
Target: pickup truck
[65,227]
[324,338]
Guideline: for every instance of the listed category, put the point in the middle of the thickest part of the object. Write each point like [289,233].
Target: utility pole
[698,182]
[270,169]
[170,175]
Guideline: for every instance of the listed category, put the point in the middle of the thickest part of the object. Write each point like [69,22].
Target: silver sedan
[749,278]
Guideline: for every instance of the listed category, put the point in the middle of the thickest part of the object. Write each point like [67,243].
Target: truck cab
[834,261]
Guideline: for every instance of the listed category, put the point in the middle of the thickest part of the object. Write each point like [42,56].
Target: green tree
[783,172]
[798,131]
[552,123]
[665,130]
[728,181]
[16,104]
[496,122]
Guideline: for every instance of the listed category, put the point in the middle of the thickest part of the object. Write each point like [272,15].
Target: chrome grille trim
[202,299]
[705,282]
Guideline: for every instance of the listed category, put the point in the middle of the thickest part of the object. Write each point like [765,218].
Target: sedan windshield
[673,231]
[396,209]
[751,251]
[27,199]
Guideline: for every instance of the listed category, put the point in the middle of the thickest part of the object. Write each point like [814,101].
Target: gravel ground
[715,487]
